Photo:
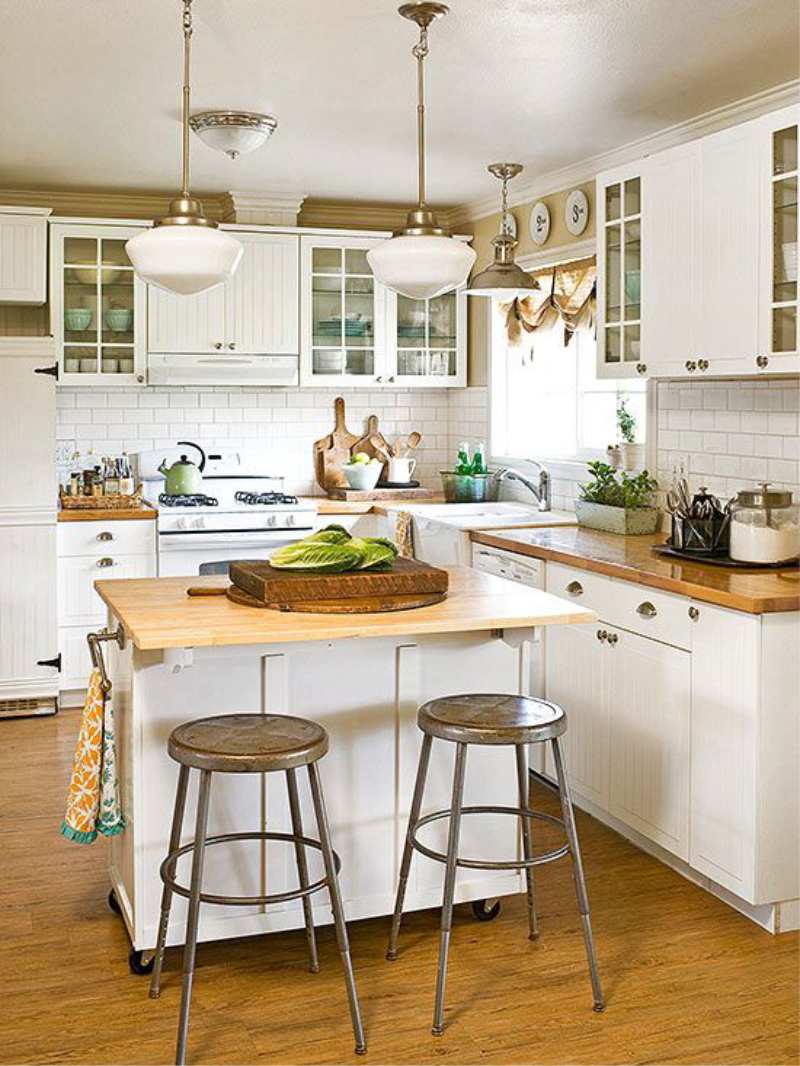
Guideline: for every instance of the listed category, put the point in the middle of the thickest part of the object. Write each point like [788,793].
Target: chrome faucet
[540,489]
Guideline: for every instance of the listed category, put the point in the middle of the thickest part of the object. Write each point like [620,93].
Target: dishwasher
[520,568]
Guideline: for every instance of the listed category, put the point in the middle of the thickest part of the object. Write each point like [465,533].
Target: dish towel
[93,800]
[404,534]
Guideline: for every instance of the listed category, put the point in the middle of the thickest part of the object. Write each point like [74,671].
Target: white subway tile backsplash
[786,423]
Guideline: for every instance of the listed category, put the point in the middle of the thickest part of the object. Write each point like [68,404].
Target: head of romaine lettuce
[332,550]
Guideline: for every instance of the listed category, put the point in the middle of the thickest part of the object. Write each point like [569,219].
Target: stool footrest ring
[486,864]
[167,870]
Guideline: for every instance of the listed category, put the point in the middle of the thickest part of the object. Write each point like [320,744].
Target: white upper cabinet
[255,313]
[697,256]
[23,255]
[97,305]
[427,340]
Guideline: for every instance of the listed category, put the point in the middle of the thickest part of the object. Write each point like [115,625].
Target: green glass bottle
[478,461]
[463,464]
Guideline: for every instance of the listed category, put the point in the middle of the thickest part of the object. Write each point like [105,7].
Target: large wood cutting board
[408,577]
[333,451]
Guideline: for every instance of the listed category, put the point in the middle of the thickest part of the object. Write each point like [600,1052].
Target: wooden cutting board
[372,437]
[404,601]
[382,494]
[333,451]
[269,585]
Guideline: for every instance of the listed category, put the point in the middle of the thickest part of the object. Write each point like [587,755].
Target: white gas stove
[241,512]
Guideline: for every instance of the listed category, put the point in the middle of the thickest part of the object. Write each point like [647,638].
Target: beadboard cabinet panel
[263,298]
[27,609]
[27,435]
[183,325]
[23,257]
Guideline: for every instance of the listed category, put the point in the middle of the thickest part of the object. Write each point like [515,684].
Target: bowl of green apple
[363,472]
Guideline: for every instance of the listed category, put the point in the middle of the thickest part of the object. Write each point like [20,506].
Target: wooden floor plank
[687,979]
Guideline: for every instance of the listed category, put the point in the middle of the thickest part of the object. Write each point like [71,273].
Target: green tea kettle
[184,478]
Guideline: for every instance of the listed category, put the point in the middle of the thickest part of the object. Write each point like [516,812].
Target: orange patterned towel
[93,801]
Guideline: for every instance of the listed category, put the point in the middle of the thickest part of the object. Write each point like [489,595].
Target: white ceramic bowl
[363,476]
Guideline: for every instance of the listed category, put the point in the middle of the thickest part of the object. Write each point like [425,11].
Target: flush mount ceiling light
[422,260]
[504,278]
[233,132]
[184,252]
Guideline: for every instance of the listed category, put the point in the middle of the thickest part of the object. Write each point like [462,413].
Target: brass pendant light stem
[187,50]
[419,51]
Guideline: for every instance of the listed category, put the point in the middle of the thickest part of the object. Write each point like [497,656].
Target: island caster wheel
[484,913]
[137,966]
[113,902]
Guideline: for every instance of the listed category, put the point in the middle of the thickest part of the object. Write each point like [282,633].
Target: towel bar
[96,652]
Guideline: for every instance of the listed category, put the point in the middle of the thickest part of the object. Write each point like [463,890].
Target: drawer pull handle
[646,610]
[613,638]
[105,535]
[575,588]
[602,635]
[694,614]
[106,561]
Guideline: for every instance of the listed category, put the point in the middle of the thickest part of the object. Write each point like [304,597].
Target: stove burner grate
[265,499]
[198,499]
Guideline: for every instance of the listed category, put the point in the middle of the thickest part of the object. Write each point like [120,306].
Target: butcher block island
[361,676]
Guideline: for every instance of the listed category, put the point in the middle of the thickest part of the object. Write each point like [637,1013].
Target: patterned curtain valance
[566,297]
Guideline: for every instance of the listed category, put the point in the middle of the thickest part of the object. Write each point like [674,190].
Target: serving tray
[720,560]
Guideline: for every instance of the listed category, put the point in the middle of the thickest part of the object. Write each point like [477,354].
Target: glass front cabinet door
[428,341]
[97,305]
[342,320]
[619,274]
[780,293]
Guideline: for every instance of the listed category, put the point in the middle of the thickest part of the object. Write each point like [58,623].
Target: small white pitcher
[401,470]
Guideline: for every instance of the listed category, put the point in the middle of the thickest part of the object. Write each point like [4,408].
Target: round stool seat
[248,743]
[491,719]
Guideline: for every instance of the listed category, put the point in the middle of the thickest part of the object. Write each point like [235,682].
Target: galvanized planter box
[616,519]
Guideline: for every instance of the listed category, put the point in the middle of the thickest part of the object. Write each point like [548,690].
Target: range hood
[223,370]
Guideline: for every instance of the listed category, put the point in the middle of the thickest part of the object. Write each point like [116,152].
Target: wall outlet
[65,449]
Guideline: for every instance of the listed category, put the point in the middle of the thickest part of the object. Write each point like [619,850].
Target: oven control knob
[181,523]
[271,520]
[199,523]
[290,520]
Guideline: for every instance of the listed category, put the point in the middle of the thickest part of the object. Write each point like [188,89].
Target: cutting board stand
[357,495]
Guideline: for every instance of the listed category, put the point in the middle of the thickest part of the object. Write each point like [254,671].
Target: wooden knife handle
[207,590]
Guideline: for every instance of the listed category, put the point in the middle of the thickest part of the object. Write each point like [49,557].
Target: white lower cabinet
[88,552]
[684,724]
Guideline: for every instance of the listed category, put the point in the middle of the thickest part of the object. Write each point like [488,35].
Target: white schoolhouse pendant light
[184,252]
[422,260]
[503,279]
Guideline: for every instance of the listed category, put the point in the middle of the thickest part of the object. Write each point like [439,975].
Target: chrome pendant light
[184,252]
[504,279]
[422,260]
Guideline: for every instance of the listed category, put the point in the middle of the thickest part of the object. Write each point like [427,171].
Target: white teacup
[401,470]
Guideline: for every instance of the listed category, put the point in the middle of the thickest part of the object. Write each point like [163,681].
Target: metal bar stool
[249,744]
[491,719]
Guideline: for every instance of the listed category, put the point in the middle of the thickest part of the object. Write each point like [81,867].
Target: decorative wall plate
[540,222]
[576,212]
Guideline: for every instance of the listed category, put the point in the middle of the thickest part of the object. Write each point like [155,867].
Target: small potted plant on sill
[632,453]
[618,503]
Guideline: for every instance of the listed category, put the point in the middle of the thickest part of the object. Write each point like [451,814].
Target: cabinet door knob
[575,588]
[218,345]
[379,380]
[641,368]
[602,635]
[105,535]
[702,364]
[105,562]
[613,638]
[646,610]
[690,365]
[762,361]
[232,346]
[391,378]
[694,614]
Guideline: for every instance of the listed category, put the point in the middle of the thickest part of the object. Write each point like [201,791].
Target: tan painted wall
[486,228]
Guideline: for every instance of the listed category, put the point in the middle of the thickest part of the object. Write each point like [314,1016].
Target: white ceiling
[89,89]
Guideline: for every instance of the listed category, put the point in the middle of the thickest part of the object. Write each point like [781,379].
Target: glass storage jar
[765,526]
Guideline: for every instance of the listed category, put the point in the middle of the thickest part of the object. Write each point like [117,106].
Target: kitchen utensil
[403,445]
[184,478]
[765,526]
[401,469]
[333,451]
[380,447]
[77,318]
[363,476]
[373,441]
[119,319]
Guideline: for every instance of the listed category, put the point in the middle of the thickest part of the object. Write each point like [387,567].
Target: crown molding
[351,214]
[261,208]
[586,169]
[560,253]
[102,203]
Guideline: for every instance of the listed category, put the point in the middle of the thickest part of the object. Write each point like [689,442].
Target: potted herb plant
[617,502]
[632,453]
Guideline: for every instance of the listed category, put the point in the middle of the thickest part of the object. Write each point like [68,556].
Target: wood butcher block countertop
[630,558]
[157,613]
[111,514]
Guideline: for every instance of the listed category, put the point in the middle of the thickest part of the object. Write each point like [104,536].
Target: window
[547,403]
